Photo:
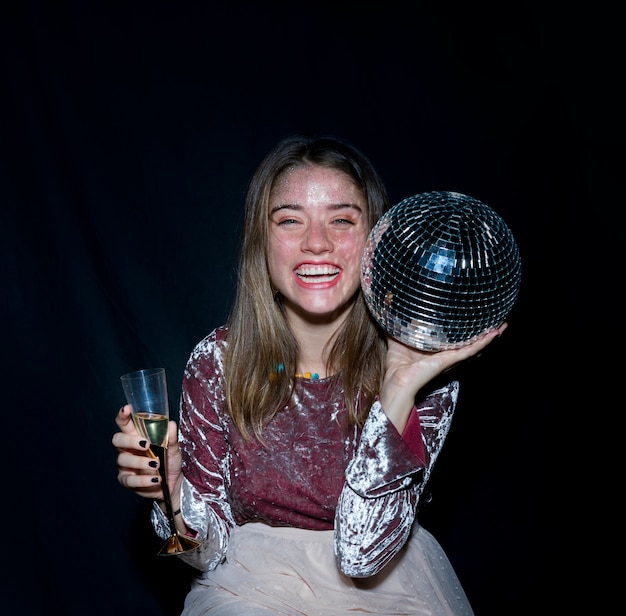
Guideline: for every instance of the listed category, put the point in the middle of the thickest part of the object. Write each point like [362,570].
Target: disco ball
[439,269]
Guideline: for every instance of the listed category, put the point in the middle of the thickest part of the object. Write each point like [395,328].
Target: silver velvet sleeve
[378,504]
[209,527]
[376,509]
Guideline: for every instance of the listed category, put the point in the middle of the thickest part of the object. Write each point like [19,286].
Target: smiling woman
[304,491]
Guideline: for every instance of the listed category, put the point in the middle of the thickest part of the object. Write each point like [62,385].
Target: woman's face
[317,228]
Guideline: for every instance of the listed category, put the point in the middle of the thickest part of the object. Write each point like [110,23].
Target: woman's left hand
[408,370]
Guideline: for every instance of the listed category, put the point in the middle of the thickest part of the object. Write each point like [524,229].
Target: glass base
[178,544]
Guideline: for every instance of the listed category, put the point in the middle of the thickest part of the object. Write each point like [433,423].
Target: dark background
[129,132]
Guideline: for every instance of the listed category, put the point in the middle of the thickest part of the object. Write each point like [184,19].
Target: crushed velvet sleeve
[206,459]
[207,525]
[384,481]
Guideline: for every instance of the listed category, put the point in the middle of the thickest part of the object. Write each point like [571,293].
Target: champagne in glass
[154,427]
[146,392]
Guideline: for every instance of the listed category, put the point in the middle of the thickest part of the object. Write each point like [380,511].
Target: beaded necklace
[299,375]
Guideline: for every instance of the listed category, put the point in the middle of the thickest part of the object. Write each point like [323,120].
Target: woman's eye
[343,221]
[287,221]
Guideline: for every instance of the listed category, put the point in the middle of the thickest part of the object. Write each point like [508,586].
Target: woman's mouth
[312,274]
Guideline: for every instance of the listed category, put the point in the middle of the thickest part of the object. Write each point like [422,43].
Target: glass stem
[161,454]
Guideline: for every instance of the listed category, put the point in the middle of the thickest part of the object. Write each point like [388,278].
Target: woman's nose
[317,239]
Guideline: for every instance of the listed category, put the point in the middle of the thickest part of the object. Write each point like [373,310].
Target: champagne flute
[146,392]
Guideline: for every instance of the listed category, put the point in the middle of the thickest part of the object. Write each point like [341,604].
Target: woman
[306,435]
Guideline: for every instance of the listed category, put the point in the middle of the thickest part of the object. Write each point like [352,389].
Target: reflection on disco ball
[440,269]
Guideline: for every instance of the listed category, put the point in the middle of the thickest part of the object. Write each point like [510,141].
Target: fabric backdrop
[129,133]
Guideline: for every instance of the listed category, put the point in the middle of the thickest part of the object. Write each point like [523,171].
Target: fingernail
[143,443]
[155,480]
[152,463]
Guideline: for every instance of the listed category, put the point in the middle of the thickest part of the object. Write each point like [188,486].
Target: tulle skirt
[290,571]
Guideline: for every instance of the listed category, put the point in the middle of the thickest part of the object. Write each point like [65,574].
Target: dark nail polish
[143,443]
[155,480]
[152,463]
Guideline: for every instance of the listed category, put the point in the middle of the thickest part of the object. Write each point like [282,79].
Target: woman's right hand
[138,469]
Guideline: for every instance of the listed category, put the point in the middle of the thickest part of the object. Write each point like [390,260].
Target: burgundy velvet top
[313,471]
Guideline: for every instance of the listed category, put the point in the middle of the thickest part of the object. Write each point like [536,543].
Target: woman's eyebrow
[352,206]
[285,206]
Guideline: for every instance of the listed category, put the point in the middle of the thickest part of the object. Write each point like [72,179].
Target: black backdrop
[129,132]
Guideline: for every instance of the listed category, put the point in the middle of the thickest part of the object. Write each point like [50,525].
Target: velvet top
[313,470]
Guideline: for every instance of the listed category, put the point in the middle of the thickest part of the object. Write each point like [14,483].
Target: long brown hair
[259,338]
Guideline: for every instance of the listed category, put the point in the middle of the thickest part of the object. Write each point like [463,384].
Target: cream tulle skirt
[291,571]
